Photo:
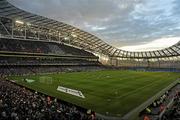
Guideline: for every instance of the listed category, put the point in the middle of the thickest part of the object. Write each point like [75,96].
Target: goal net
[45,80]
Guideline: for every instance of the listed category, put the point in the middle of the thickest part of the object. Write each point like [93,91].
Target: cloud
[117,22]
[154,45]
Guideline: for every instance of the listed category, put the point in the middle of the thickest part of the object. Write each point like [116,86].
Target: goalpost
[46,80]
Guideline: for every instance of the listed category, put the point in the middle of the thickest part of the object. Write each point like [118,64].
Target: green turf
[115,92]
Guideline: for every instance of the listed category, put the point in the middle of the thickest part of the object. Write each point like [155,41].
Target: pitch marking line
[135,91]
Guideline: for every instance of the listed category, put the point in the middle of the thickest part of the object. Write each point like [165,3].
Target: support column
[12,29]
[116,62]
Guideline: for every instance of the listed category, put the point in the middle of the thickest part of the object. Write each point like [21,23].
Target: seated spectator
[18,103]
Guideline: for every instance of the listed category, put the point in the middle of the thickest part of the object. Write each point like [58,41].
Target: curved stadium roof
[83,39]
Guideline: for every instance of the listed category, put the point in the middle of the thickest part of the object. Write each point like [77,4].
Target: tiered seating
[40,47]
[26,57]
[43,61]
[19,103]
[164,108]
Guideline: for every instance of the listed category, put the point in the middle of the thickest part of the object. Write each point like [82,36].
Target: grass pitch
[107,92]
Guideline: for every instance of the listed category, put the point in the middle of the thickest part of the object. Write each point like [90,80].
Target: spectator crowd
[167,107]
[19,103]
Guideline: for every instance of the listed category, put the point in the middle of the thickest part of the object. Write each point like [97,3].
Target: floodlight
[19,22]
[66,38]
[74,35]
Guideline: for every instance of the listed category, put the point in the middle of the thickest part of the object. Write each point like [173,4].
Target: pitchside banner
[70,91]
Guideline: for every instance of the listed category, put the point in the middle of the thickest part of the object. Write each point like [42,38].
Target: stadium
[53,70]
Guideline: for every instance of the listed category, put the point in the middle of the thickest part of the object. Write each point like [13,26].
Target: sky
[134,25]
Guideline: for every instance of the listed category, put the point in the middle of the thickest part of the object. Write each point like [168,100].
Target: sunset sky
[133,25]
